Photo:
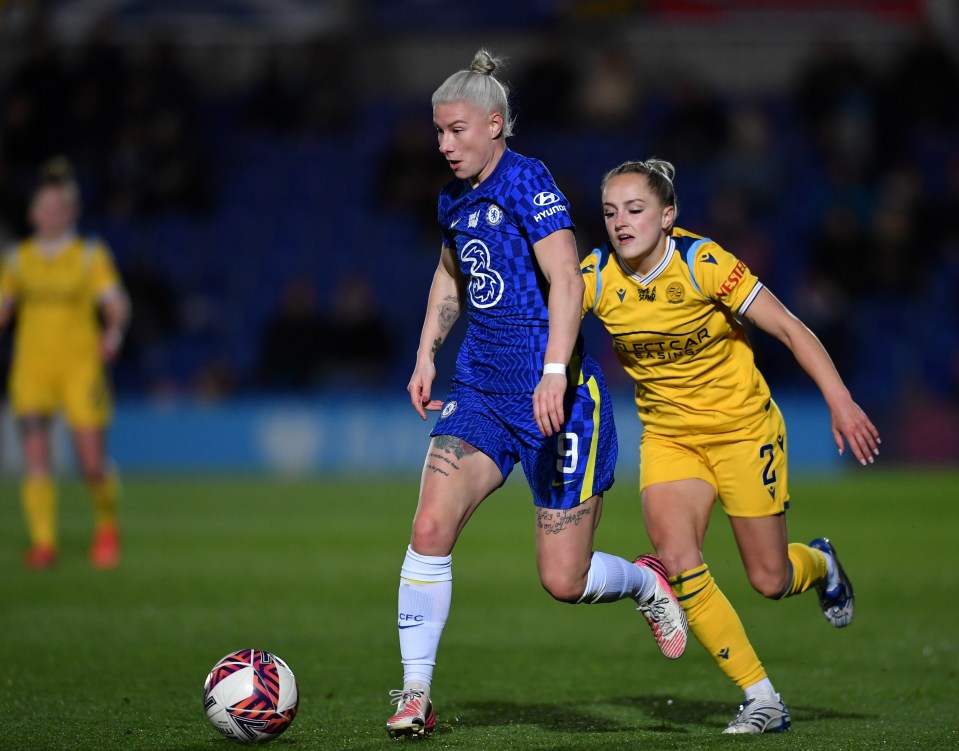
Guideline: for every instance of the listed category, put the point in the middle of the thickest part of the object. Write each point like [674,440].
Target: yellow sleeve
[9,283]
[724,278]
[589,295]
[104,276]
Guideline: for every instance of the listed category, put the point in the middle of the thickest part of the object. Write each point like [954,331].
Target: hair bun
[664,168]
[484,63]
[57,170]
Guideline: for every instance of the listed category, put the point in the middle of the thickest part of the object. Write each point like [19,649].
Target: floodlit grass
[308,569]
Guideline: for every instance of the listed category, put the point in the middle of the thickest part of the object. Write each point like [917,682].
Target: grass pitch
[308,569]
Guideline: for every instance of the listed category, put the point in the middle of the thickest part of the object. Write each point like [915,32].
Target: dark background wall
[265,173]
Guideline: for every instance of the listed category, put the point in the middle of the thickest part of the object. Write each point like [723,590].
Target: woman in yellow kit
[672,301]
[70,311]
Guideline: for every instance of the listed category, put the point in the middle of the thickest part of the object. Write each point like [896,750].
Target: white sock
[832,574]
[762,688]
[612,578]
[426,589]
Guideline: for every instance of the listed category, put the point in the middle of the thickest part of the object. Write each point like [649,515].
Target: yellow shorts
[746,467]
[81,392]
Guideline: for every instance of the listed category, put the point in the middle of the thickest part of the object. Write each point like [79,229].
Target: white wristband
[558,368]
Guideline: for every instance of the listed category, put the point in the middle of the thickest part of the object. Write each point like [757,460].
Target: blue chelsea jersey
[492,229]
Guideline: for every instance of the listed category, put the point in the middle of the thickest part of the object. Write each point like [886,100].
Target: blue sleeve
[540,208]
[442,210]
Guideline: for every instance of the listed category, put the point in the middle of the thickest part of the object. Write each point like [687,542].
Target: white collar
[660,267]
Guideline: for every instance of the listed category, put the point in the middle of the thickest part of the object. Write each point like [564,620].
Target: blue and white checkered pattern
[492,228]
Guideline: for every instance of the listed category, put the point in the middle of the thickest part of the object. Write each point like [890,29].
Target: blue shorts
[562,470]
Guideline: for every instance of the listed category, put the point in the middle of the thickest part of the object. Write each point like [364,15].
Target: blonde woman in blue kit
[524,391]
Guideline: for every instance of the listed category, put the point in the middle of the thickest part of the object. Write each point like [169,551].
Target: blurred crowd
[281,239]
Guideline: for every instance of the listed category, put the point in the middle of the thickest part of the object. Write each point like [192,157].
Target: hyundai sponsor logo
[540,216]
[545,198]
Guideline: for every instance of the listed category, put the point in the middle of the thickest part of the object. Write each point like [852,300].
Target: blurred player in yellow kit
[70,311]
[672,302]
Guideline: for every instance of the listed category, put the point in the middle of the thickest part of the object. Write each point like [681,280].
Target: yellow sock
[716,625]
[808,568]
[39,497]
[105,494]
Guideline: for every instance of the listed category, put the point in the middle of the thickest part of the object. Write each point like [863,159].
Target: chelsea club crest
[494,215]
[448,408]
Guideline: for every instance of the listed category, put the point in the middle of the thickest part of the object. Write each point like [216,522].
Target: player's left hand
[548,403]
[849,422]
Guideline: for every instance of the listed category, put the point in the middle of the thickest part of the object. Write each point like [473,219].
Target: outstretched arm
[557,257]
[443,308]
[849,422]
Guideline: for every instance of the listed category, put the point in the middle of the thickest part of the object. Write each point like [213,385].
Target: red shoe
[40,557]
[105,552]
[662,611]
[414,714]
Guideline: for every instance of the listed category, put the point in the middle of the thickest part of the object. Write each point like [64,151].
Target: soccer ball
[250,696]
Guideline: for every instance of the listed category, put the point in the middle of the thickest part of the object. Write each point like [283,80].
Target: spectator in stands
[291,351]
[146,355]
[548,85]
[834,84]
[329,89]
[34,125]
[749,163]
[358,344]
[409,174]
[304,347]
[609,96]
[922,89]
[273,103]
[695,128]
[93,106]
[157,162]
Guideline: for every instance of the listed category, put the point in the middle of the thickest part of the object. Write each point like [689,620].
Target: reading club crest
[675,293]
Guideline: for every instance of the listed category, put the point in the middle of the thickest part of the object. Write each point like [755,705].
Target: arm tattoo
[555,521]
[448,312]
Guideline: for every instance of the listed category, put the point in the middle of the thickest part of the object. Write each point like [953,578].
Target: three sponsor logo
[485,287]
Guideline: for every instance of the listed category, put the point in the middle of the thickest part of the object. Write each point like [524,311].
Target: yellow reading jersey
[676,333]
[57,299]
